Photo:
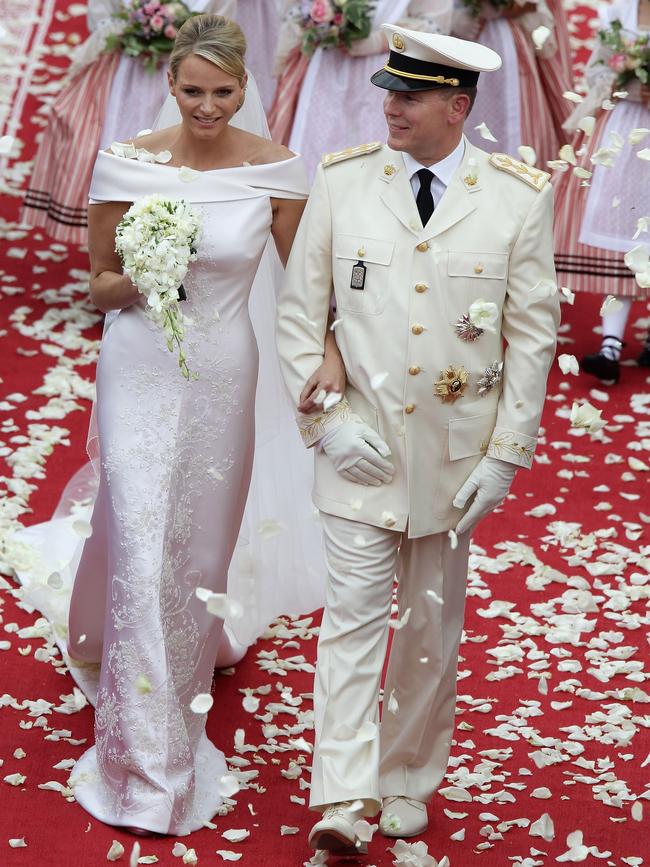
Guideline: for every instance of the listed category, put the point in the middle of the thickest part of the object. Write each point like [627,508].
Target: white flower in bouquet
[156,240]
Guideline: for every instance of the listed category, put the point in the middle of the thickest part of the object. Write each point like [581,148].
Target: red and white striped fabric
[284,105]
[585,268]
[542,83]
[57,197]
[556,72]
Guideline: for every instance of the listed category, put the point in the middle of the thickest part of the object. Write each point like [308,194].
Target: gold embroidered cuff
[511,446]
[313,427]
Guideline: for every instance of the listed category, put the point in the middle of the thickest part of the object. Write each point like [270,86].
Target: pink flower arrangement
[321,11]
[148,29]
[617,62]
[628,54]
[334,23]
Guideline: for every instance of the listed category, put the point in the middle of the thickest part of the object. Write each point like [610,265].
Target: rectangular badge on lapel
[358,279]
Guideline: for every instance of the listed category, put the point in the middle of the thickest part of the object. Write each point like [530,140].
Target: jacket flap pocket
[354,247]
[470,436]
[483,265]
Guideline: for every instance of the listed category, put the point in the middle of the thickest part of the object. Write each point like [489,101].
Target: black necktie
[424,199]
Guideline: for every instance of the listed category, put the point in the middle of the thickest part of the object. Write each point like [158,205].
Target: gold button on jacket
[417,329]
[423,247]
[414,370]
[421,287]
[409,408]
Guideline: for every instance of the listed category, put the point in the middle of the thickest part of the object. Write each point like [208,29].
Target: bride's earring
[242,100]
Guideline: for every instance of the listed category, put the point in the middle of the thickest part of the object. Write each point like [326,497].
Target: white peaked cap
[421,61]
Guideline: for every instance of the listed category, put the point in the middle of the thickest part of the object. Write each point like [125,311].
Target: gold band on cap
[438,79]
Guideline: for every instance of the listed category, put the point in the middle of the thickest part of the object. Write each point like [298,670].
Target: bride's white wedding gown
[176,460]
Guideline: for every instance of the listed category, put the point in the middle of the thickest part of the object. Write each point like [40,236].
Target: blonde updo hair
[214,38]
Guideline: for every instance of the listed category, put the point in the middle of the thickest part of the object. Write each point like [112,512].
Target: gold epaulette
[535,178]
[359,150]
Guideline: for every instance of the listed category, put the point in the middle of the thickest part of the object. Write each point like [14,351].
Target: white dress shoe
[335,831]
[229,650]
[403,817]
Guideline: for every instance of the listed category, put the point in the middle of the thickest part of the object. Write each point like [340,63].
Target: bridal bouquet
[157,239]
[148,29]
[630,57]
[334,23]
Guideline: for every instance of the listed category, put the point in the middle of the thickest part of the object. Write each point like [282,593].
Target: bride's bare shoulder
[159,140]
[260,150]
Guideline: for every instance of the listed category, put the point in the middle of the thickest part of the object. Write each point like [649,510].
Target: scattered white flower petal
[568,364]
[236,835]
[201,703]
[540,36]
[484,132]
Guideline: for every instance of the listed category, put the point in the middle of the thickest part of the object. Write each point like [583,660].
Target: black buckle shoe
[606,369]
[644,359]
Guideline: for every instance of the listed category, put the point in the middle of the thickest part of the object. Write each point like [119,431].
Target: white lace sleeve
[432,16]
[98,10]
[100,24]
[289,34]
[599,79]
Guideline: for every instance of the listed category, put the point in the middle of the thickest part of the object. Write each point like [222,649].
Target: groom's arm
[303,308]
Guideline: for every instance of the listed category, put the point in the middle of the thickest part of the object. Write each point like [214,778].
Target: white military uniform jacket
[412,373]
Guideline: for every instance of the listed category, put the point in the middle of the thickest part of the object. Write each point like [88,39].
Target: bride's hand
[329,377]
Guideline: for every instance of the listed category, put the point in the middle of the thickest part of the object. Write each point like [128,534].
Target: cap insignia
[535,178]
[452,383]
[398,42]
[348,153]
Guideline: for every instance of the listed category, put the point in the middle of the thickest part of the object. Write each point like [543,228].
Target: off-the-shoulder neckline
[204,171]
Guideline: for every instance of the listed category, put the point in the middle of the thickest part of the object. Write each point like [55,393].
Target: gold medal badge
[452,383]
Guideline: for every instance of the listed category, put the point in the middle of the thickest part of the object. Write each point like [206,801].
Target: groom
[440,259]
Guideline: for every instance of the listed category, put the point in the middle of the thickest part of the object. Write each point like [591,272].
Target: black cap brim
[404,73]
[388,81]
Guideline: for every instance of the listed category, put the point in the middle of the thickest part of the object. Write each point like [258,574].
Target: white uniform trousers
[408,753]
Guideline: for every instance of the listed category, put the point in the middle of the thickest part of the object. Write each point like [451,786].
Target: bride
[177,456]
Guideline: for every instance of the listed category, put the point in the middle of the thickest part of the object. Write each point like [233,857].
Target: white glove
[358,453]
[375,43]
[491,481]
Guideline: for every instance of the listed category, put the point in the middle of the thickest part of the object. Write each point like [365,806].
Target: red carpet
[553,693]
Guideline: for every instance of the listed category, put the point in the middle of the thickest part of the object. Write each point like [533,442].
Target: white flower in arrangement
[483,314]
[156,240]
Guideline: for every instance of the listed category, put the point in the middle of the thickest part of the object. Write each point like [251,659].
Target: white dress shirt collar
[443,170]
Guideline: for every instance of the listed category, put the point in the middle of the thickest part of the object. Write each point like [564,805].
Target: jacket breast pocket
[376,255]
[471,276]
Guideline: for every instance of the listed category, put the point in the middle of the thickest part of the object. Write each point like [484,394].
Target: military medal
[452,383]
[358,279]
[490,378]
[466,329]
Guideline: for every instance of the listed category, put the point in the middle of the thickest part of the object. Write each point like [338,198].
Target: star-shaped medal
[490,378]
[466,329]
[452,383]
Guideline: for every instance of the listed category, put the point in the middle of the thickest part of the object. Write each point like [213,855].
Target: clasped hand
[490,481]
[358,453]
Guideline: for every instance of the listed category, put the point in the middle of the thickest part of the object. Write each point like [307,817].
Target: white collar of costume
[118,179]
